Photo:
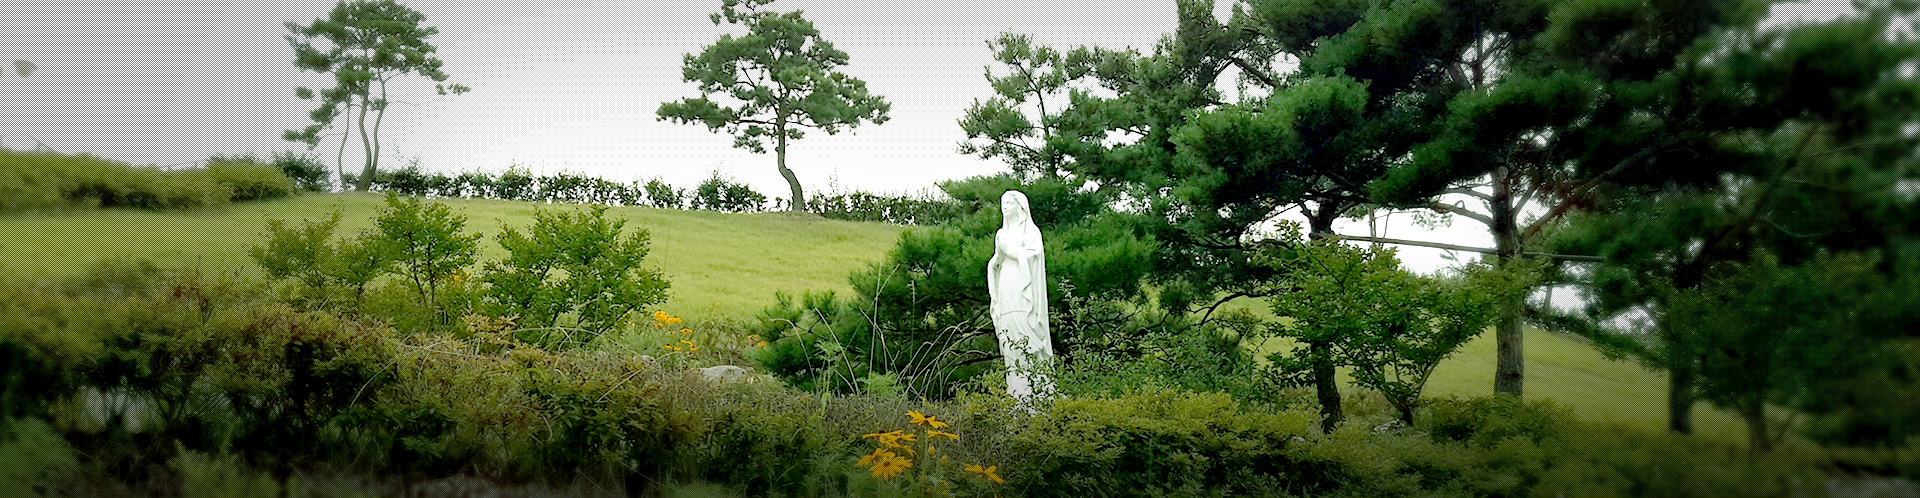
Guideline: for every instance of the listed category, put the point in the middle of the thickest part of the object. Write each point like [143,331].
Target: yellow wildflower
[945,434]
[890,465]
[686,331]
[990,472]
[926,420]
[878,453]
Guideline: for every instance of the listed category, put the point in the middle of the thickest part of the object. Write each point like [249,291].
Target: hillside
[729,265]
[721,265]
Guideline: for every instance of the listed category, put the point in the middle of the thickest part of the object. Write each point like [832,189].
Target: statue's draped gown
[1017,279]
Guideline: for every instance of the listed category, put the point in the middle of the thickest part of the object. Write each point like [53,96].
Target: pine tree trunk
[1755,413]
[1325,382]
[1510,371]
[798,203]
[366,172]
[1324,385]
[1680,395]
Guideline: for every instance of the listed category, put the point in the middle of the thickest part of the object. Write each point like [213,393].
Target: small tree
[371,43]
[1358,308]
[574,262]
[307,253]
[423,239]
[782,77]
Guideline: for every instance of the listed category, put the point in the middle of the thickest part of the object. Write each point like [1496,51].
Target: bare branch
[1455,247]
[1468,192]
[1255,72]
[1463,212]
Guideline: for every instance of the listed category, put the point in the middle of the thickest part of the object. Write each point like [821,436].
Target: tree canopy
[773,82]
[369,43]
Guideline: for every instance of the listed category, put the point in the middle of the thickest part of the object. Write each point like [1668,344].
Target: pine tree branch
[1456,247]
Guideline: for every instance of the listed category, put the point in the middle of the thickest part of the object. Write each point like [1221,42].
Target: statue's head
[1013,209]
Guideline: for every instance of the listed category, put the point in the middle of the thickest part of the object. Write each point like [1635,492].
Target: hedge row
[41,180]
[717,193]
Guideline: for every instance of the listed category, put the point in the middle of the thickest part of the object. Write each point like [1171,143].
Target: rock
[722,374]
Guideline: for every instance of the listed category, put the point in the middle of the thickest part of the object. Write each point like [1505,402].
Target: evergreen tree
[370,43]
[782,77]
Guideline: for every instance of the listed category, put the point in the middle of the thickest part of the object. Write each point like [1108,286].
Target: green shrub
[34,461]
[41,180]
[307,170]
[577,264]
[424,240]
[664,196]
[252,182]
[722,194]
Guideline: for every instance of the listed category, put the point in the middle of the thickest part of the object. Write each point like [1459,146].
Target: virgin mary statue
[1017,282]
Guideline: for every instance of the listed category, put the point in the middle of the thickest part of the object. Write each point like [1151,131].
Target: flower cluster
[662,320]
[689,346]
[897,450]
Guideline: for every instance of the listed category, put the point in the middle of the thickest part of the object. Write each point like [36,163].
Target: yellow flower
[686,331]
[926,420]
[945,434]
[753,337]
[763,344]
[892,439]
[878,453]
[890,465]
[990,472]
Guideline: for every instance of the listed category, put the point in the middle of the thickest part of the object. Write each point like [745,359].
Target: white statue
[1017,283]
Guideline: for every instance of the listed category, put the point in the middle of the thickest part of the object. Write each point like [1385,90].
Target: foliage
[1356,307]
[423,240]
[50,181]
[1793,139]
[999,127]
[896,209]
[309,254]
[369,43]
[573,263]
[895,452]
[306,171]
[220,385]
[921,314]
[252,182]
[780,77]
[718,193]
[664,196]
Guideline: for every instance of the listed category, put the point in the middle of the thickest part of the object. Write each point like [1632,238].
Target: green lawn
[721,265]
[729,265]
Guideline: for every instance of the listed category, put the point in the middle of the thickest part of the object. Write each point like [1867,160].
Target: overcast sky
[569,85]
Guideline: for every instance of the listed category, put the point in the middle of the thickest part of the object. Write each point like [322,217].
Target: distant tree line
[716,193]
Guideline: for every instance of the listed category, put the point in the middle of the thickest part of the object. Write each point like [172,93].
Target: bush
[39,180]
[664,196]
[722,194]
[308,171]
[425,243]
[253,178]
[252,182]
[577,264]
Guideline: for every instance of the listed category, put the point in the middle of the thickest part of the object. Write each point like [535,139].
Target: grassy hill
[729,265]
[721,265]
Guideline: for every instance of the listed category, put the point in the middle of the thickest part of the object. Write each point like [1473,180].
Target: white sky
[568,85]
